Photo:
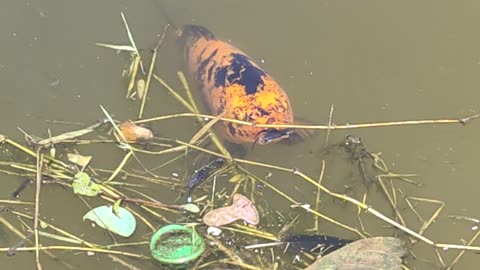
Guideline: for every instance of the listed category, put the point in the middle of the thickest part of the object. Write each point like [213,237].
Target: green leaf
[116,207]
[79,159]
[123,224]
[83,185]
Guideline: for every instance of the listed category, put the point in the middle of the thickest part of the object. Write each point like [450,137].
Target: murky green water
[373,60]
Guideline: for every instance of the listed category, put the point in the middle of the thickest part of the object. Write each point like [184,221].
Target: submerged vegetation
[255,233]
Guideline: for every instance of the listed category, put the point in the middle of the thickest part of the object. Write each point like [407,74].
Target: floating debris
[140,88]
[134,133]
[205,172]
[369,253]
[315,243]
[176,244]
[121,221]
[242,208]
[79,159]
[83,185]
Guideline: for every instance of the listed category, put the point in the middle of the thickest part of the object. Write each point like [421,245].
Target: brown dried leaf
[134,133]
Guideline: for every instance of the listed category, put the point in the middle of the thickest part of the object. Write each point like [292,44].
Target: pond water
[374,61]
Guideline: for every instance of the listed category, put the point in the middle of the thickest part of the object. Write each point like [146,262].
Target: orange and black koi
[233,83]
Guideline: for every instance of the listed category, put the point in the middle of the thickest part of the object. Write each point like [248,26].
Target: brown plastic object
[134,133]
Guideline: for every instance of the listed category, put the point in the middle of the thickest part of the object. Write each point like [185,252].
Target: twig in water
[37,206]
[132,41]
[320,127]
[330,119]
[21,243]
[150,70]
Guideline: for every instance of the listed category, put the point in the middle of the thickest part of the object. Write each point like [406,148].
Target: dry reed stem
[122,262]
[410,205]
[133,74]
[150,70]
[184,82]
[252,231]
[440,259]
[22,236]
[429,222]
[330,122]
[462,121]
[460,254]
[37,206]
[119,167]
[206,128]
[359,212]
[67,135]
[175,94]
[147,84]
[161,152]
[154,204]
[74,248]
[236,260]
[132,41]
[16,202]
[213,136]
[33,154]
[58,229]
[392,202]
[317,199]
[161,180]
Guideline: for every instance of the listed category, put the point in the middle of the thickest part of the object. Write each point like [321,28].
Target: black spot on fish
[200,55]
[231,129]
[204,63]
[241,71]
[220,76]
[262,111]
[209,73]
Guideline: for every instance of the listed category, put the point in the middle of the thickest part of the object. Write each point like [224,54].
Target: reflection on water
[374,61]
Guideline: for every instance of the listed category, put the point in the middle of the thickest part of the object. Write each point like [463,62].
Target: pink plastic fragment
[242,208]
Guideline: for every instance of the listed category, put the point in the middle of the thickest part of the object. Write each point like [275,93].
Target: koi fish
[233,83]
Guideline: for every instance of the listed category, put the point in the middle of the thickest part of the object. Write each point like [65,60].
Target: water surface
[374,61]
